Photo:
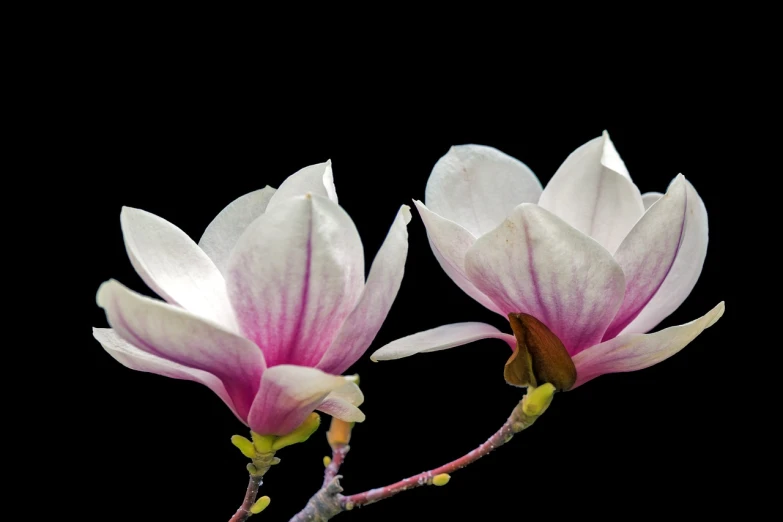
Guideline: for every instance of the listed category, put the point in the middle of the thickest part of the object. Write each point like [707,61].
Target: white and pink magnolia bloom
[266,310]
[593,259]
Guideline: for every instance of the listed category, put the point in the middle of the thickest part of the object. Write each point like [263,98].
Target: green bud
[441,480]
[244,445]
[537,399]
[260,505]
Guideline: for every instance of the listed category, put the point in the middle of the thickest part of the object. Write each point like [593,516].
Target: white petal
[611,159]
[315,179]
[440,338]
[288,394]
[342,403]
[223,232]
[139,360]
[341,409]
[383,283]
[649,198]
[174,266]
[630,352]
[174,334]
[648,252]
[683,273]
[537,264]
[349,392]
[449,242]
[477,186]
[588,194]
[294,276]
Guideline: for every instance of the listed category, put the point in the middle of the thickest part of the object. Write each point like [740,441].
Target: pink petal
[648,198]
[342,403]
[139,360]
[176,335]
[315,179]
[593,192]
[683,273]
[175,267]
[537,264]
[383,283]
[288,394]
[477,186]
[630,352]
[647,254]
[223,232]
[294,276]
[449,242]
[440,338]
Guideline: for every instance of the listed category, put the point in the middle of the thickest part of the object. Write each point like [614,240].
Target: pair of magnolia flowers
[271,306]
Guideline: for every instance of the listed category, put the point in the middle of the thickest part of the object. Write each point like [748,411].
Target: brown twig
[260,465]
[338,456]
[243,513]
[329,501]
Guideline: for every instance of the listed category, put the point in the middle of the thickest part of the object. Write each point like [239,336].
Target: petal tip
[102,296]
[716,313]
[127,211]
[406,213]
[381,354]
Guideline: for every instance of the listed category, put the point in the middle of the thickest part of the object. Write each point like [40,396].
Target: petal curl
[288,394]
[440,338]
[631,352]
[343,403]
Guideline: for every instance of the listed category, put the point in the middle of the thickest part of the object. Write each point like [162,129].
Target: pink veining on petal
[288,394]
[171,333]
[143,361]
[537,264]
[294,277]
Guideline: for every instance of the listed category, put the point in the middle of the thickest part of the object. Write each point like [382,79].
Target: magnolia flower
[266,310]
[582,269]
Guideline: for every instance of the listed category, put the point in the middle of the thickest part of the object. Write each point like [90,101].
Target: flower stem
[329,501]
[243,513]
[338,456]
[260,465]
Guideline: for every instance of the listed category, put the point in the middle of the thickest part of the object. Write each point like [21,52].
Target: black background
[181,137]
